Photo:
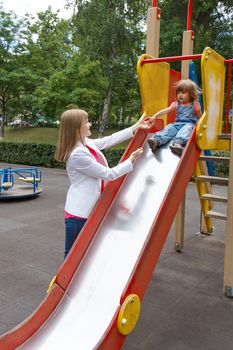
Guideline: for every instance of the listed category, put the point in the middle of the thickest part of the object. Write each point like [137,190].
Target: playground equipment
[94,300]
[213,68]
[11,179]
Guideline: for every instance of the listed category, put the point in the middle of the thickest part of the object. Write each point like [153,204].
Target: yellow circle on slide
[129,314]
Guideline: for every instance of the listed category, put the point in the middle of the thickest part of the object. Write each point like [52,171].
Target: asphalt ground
[184,307]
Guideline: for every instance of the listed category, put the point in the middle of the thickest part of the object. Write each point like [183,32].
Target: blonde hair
[187,85]
[69,133]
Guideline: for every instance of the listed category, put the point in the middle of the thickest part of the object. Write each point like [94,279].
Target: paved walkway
[184,307]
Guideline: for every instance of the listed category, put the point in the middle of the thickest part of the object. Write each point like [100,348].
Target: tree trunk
[2,120]
[107,101]
[1,129]
[130,117]
[105,114]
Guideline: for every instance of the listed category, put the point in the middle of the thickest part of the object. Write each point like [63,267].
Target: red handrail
[173,58]
[228,94]
[177,58]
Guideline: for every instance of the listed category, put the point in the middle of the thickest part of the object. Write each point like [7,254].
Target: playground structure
[119,247]
[11,183]
[210,134]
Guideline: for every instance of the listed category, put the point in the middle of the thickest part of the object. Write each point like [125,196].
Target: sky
[20,7]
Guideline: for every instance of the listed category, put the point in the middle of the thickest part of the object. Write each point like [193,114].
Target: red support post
[189,15]
[228,94]
[154,3]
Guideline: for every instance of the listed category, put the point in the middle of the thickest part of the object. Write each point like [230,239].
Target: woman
[87,167]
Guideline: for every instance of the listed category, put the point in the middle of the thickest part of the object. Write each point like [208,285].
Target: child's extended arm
[164,111]
[198,111]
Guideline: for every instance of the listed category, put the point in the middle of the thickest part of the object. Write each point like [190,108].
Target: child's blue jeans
[177,132]
[73,227]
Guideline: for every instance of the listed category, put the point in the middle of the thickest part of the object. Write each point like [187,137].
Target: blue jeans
[73,227]
[177,132]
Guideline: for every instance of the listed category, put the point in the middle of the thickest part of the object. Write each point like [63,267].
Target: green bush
[113,155]
[29,154]
[43,154]
[221,169]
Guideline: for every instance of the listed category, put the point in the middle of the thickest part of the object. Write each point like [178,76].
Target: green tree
[50,63]
[211,22]
[111,32]
[80,83]
[12,74]
[49,45]
[48,49]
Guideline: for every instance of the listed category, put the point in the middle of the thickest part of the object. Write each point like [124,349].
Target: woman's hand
[144,122]
[135,155]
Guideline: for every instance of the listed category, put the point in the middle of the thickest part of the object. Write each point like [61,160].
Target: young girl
[188,111]
[87,167]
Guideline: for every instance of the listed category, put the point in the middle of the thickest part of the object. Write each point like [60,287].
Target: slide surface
[120,259]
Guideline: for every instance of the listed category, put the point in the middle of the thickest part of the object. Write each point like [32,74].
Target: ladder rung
[224,136]
[215,159]
[213,179]
[216,215]
[214,197]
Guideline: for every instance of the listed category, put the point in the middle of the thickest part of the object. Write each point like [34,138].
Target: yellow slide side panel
[154,85]
[213,78]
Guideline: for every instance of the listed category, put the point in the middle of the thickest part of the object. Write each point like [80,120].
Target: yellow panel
[154,85]
[224,145]
[213,78]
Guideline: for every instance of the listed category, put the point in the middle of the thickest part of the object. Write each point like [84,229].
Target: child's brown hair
[187,85]
[69,132]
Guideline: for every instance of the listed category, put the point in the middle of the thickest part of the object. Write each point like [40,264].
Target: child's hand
[135,155]
[144,122]
[150,121]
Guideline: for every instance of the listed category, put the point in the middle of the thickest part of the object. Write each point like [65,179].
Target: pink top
[97,157]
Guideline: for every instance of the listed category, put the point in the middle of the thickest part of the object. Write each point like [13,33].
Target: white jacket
[85,173]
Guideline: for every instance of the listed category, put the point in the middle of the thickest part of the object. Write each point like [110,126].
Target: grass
[31,135]
[40,135]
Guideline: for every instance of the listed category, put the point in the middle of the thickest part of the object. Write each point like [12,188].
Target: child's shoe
[153,144]
[176,148]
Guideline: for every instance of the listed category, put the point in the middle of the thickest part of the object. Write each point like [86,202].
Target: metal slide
[120,258]
[121,242]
